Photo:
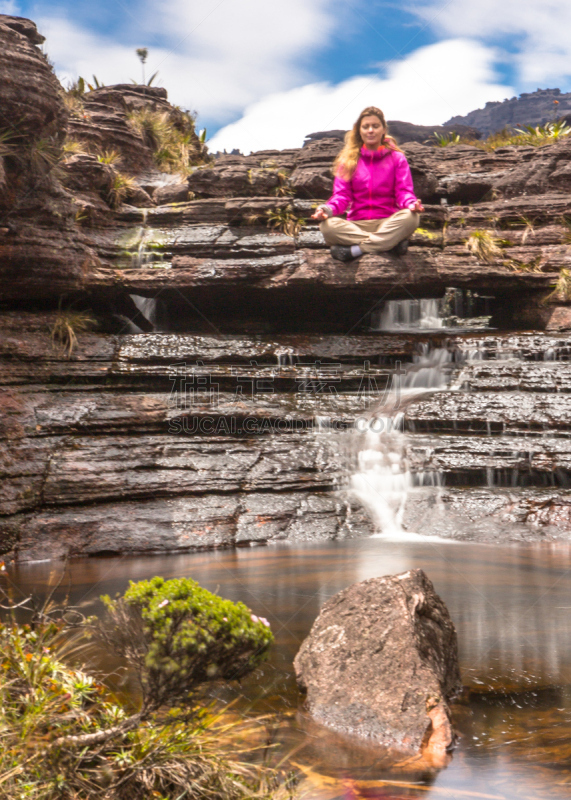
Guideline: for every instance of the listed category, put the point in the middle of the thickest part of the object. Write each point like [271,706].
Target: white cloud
[216,56]
[538,31]
[9,7]
[427,87]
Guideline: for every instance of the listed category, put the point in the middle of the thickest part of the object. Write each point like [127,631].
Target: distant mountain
[530,108]
[406,132]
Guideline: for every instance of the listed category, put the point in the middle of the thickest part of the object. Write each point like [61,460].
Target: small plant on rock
[6,148]
[111,157]
[535,265]
[172,139]
[120,189]
[72,147]
[566,222]
[446,139]
[43,155]
[483,246]
[285,220]
[66,327]
[283,189]
[562,291]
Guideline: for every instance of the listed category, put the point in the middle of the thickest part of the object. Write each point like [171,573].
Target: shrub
[178,635]
[526,135]
[483,246]
[65,736]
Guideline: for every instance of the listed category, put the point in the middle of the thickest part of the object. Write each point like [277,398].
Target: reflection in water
[511,608]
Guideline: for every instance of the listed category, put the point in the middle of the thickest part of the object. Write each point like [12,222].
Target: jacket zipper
[370,187]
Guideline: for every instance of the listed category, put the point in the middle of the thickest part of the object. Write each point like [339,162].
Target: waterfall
[398,315]
[382,478]
[147,306]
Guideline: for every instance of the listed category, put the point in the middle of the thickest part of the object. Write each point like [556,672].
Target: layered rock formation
[530,108]
[381,663]
[212,401]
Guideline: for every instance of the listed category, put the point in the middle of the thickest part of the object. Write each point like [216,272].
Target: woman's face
[372,131]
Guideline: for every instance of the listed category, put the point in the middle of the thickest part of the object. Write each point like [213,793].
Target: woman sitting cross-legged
[373,181]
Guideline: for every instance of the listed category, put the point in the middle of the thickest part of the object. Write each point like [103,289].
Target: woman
[373,181]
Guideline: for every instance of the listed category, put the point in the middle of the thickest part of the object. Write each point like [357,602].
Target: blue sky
[263,73]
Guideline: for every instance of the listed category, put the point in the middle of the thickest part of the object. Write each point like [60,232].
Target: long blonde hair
[346,162]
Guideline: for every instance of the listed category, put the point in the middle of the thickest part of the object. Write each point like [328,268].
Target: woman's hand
[319,214]
[418,207]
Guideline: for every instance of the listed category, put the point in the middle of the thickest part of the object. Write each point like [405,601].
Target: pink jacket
[381,185]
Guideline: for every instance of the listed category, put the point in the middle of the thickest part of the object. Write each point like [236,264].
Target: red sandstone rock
[31,103]
[381,664]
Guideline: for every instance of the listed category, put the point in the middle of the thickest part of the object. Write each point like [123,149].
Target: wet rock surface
[232,359]
[381,664]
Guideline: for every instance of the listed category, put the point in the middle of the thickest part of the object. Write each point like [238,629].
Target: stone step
[515,375]
[490,412]
[182,524]
[495,460]
[488,514]
[80,470]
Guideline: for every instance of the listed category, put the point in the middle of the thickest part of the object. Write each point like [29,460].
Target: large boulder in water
[381,663]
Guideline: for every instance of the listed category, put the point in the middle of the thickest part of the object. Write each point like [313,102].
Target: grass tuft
[111,157]
[67,325]
[172,141]
[562,290]
[483,246]
[120,189]
[447,139]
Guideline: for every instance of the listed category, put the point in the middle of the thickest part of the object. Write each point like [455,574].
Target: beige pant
[372,235]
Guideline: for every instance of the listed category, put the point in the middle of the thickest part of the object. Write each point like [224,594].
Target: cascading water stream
[383,479]
[399,315]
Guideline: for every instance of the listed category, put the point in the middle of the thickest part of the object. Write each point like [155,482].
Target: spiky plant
[446,139]
[120,189]
[43,155]
[6,148]
[112,157]
[566,222]
[67,325]
[535,265]
[172,139]
[483,246]
[151,125]
[562,290]
[285,220]
[251,219]
[72,147]
[283,189]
